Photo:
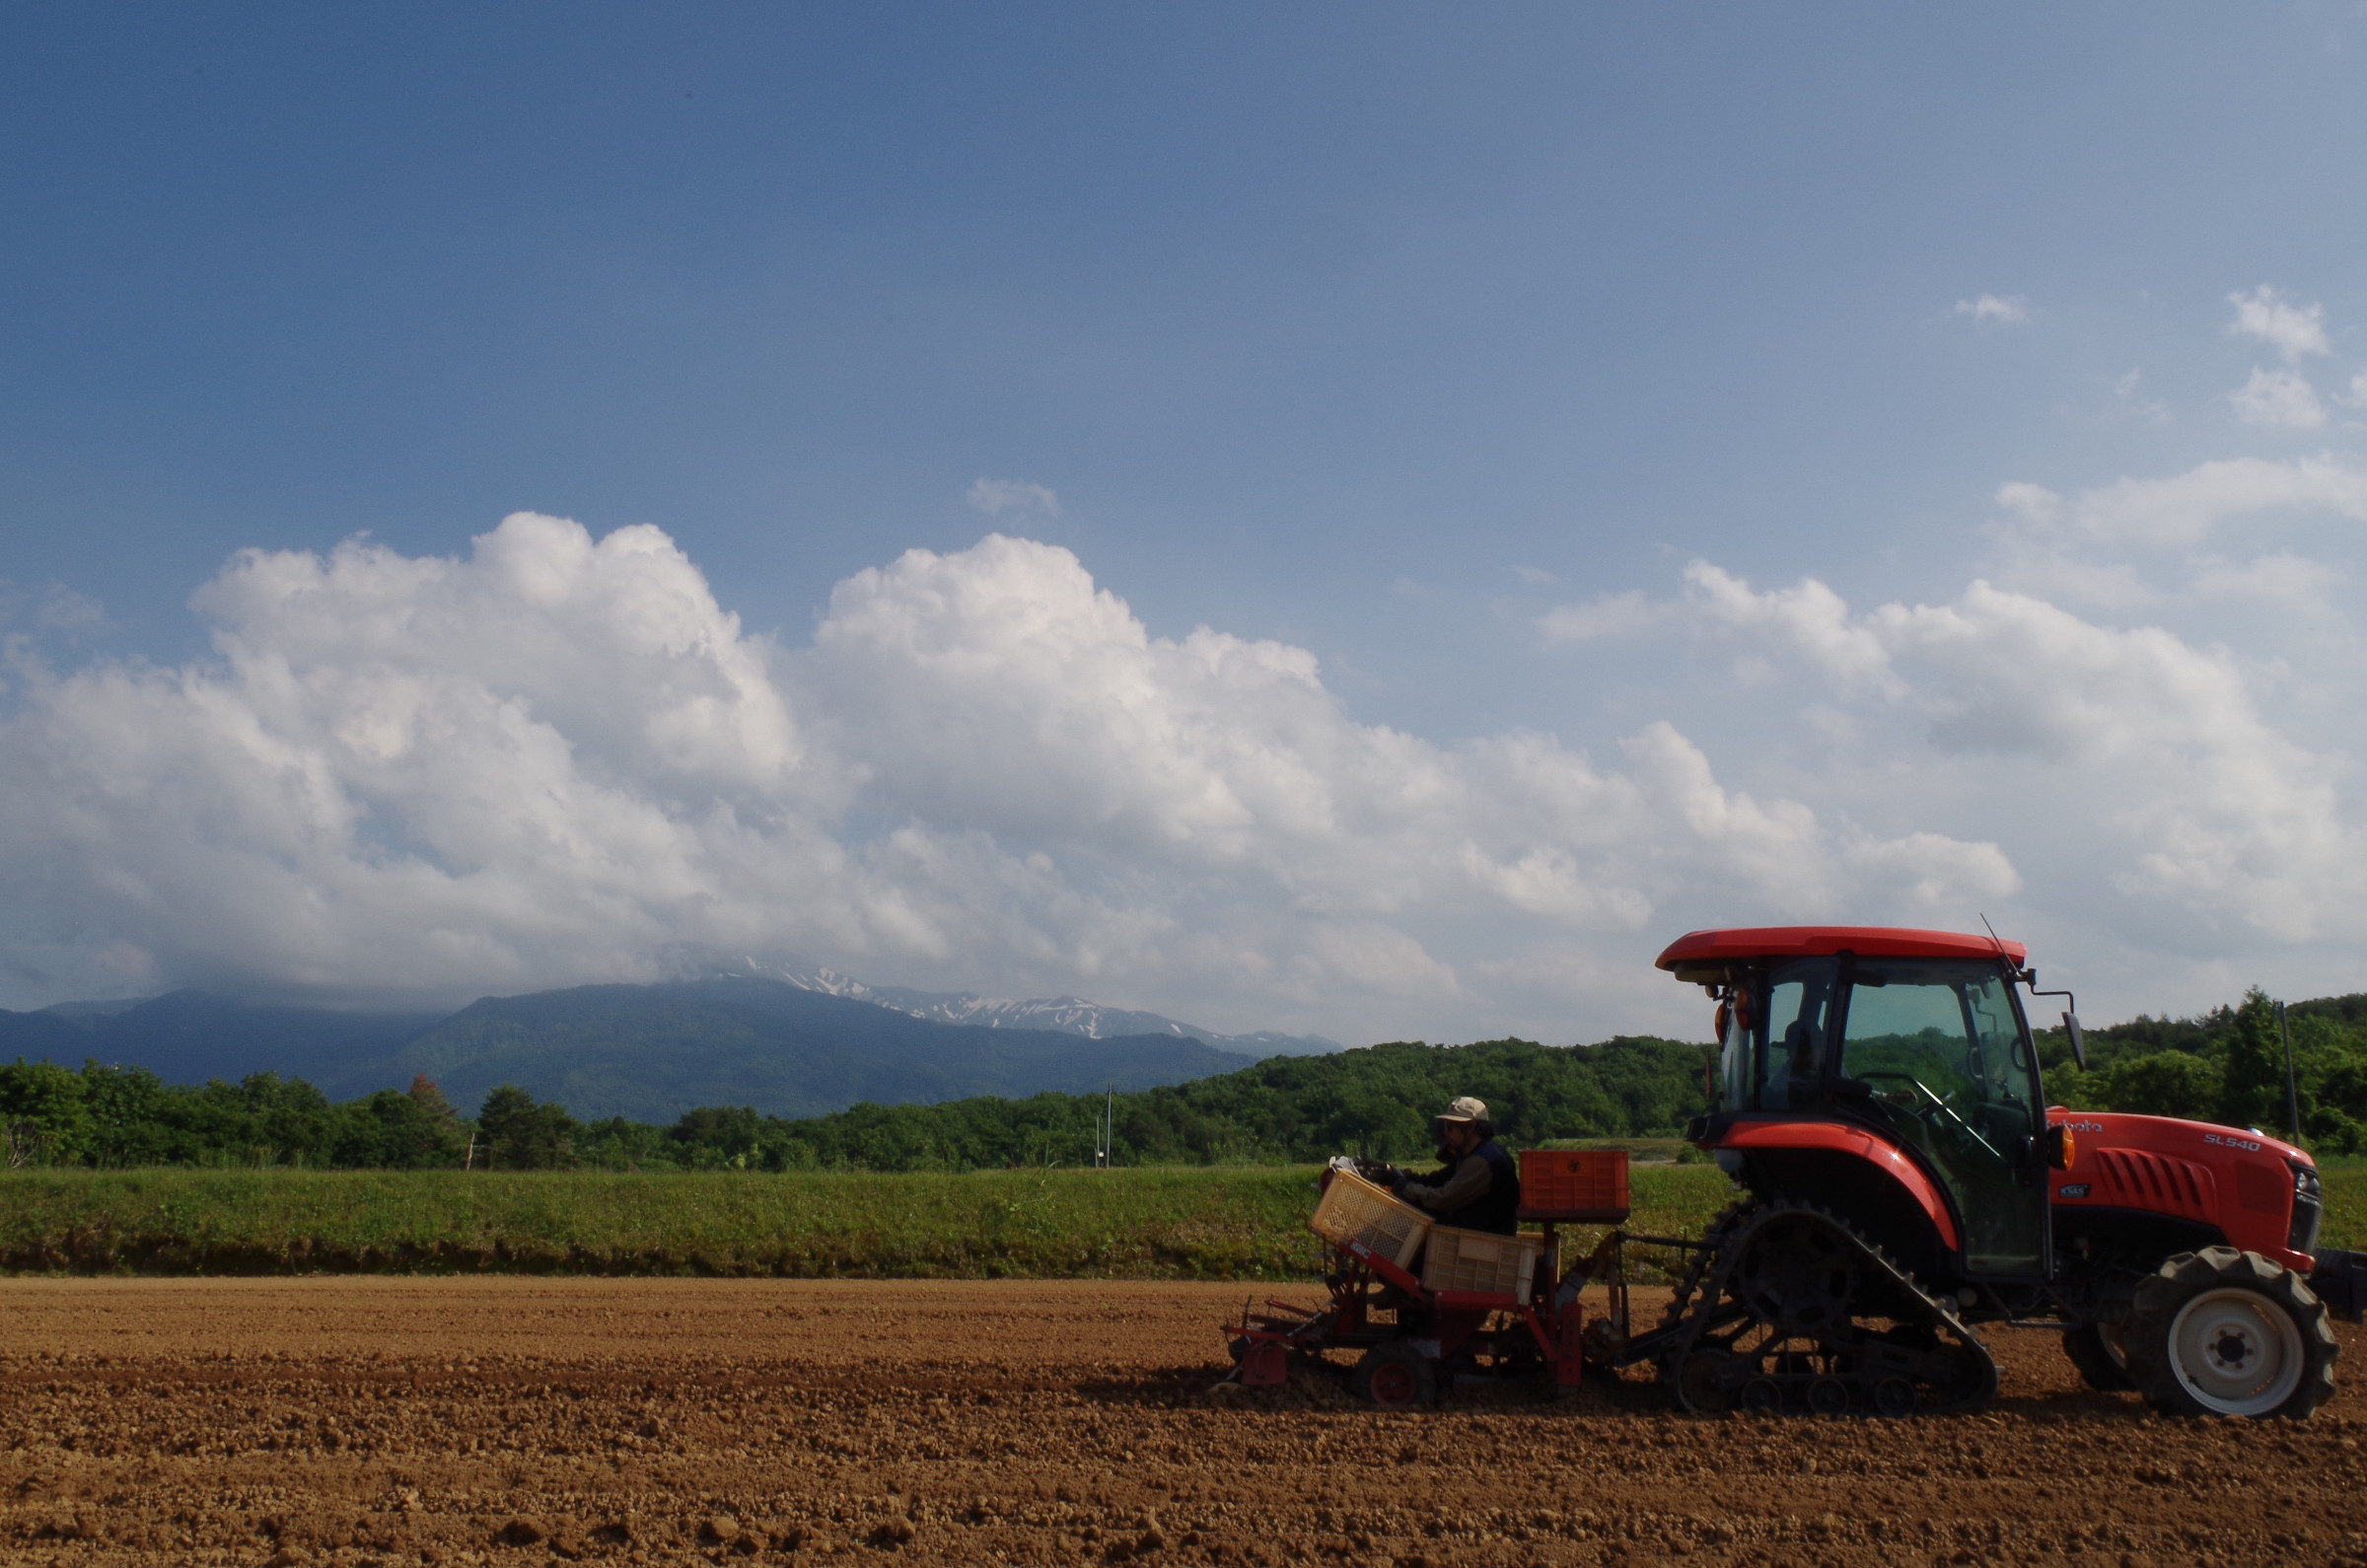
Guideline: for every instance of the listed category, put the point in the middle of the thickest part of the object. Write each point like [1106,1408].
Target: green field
[1173,1223]
[1178,1222]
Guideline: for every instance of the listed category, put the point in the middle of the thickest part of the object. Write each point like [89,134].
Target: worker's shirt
[1482,1192]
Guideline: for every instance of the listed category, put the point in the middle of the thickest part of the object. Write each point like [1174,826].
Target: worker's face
[1460,1137]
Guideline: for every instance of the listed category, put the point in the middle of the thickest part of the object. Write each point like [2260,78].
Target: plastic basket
[1355,1210]
[1502,1266]
[1574,1179]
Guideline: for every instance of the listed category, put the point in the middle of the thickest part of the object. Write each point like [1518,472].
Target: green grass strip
[1171,1222]
[1142,1224]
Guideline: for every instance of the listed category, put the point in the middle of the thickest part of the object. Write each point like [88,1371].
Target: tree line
[1285,1109]
[2226,1065]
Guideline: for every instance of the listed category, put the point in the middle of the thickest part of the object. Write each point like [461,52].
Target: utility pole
[2292,1093]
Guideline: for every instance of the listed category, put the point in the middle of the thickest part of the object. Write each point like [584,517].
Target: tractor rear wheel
[1396,1377]
[2101,1353]
[2223,1332]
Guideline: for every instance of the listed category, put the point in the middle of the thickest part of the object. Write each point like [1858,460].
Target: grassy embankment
[1145,1224]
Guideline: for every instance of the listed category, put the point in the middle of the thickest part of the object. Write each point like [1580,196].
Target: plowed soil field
[520,1421]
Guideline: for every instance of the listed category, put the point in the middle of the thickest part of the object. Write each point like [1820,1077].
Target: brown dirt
[518,1421]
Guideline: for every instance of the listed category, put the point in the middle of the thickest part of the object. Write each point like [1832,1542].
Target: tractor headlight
[2309,1203]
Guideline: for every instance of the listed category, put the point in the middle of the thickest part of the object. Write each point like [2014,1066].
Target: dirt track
[404,1421]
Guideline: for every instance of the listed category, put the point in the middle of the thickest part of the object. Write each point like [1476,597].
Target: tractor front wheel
[1396,1377]
[2223,1332]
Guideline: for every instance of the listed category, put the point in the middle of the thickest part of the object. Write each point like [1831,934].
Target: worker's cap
[1466,1109]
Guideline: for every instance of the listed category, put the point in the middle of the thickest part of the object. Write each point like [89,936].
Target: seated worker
[1476,1186]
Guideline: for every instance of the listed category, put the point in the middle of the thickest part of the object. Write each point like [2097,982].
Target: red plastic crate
[1574,1181]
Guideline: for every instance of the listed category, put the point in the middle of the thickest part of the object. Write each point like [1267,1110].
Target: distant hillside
[650,1052]
[189,1036]
[795,1046]
[1063,1015]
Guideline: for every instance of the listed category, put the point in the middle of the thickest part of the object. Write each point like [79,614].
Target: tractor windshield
[1942,1047]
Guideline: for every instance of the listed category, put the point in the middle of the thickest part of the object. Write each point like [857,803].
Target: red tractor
[1877,1096]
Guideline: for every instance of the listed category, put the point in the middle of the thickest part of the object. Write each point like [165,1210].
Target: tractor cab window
[1949,1066]
[1791,1041]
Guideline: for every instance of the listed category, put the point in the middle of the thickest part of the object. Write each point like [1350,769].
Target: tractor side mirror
[2079,1043]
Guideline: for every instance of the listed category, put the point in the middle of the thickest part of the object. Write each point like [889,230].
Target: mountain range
[1064,1015]
[785,1037]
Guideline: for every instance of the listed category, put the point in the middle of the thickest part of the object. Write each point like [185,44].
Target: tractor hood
[2259,1193]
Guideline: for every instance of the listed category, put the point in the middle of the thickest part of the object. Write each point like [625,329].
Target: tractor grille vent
[2134,1179]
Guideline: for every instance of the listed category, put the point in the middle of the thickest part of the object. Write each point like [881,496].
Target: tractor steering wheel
[1939,1105]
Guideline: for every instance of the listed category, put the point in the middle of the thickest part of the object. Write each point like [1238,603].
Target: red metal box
[1574,1181]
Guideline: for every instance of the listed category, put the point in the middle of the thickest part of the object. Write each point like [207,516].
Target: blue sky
[1503,369]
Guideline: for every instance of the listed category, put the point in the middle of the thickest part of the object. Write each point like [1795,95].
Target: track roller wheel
[1396,1377]
[1706,1381]
[2101,1353]
[2223,1332]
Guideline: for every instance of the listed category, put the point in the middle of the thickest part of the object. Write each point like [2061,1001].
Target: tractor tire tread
[2187,1276]
[1425,1371]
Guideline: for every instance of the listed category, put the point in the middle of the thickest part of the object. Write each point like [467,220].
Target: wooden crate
[1459,1260]
[1574,1181]
[1356,1210]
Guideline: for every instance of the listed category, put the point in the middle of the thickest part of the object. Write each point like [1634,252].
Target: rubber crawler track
[1849,1356]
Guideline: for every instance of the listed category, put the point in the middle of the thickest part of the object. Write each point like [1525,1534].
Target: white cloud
[2129,399]
[2284,582]
[1610,616]
[1939,872]
[1535,576]
[2293,330]
[2150,740]
[994,497]
[2278,400]
[1810,616]
[537,765]
[2185,507]
[2006,309]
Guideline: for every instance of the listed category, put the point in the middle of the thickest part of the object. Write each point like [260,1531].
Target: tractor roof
[1700,951]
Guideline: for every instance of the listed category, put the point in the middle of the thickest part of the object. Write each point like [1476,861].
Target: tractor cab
[1882,1073]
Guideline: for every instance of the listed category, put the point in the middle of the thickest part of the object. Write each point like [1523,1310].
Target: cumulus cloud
[2005,310]
[538,764]
[1808,616]
[2293,330]
[2154,741]
[995,497]
[405,774]
[2278,400]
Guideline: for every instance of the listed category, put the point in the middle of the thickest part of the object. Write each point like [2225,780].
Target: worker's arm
[1466,1185]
